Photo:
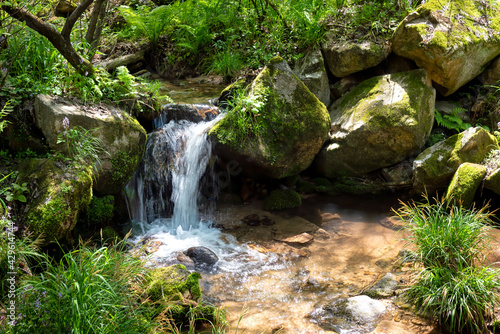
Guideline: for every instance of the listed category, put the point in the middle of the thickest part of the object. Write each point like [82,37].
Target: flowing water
[265,271]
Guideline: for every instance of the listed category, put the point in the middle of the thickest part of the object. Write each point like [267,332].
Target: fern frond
[7,109]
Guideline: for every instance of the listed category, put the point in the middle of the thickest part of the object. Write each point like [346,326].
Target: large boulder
[311,70]
[121,135]
[344,58]
[57,194]
[453,40]
[434,167]
[465,182]
[277,128]
[381,122]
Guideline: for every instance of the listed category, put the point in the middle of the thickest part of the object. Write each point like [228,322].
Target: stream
[276,271]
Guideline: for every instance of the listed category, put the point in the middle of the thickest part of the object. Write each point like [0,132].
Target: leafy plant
[452,121]
[150,24]
[6,110]
[82,148]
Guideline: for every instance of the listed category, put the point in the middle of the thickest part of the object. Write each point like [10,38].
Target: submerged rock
[280,199]
[202,257]
[465,182]
[277,128]
[383,288]
[381,122]
[434,167]
[453,40]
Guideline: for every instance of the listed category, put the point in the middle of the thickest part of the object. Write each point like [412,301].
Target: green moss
[171,283]
[280,199]
[465,182]
[101,209]
[123,167]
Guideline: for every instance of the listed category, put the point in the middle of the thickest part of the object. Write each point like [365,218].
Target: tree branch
[71,20]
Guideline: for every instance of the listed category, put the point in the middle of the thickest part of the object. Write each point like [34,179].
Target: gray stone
[384,287]
[364,309]
[311,70]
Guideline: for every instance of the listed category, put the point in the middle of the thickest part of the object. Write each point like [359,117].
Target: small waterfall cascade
[167,182]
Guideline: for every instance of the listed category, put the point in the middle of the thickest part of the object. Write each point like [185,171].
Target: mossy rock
[280,199]
[465,182]
[276,129]
[448,40]
[173,283]
[434,168]
[381,122]
[492,181]
[57,194]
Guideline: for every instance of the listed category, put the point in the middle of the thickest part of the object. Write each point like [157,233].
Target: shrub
[453,287]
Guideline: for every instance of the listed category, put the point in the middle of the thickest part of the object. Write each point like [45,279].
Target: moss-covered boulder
[280,199]
[173,283]
[101,210]
[381,122]
[57,194]
[453,40]
[311,70]
[465,182]
[277,128]
[434,167]
[492,181]
[121,135]
[177,290]
[344,58]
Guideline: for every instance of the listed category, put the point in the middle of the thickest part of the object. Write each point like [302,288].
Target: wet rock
[401,173]
[189,112]
[358,314]
[280,199]
[203,257]
[302,238]
[384,287]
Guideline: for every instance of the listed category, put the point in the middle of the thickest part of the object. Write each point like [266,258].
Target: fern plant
[150,24]
[452,121]
[7,109]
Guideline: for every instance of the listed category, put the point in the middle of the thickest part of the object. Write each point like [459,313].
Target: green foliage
[87,291]
[435,138]
[452,121]
[101,209]
[11,191]
[453,287]
[151,24]
[6,110]
[82,148]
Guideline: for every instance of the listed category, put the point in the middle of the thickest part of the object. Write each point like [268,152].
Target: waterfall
[167,182]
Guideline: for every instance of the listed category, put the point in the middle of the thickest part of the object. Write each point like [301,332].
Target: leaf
[21,198]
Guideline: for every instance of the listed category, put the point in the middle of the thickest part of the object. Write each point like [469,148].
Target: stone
[492,181]
[435,166]
[121,135]
[311,70]
[454,41]
[401,173]
[302,238]
[277,129]
[203,257]
[491,75]
[383,288]
[452,108]
[364,309]
[383,121]
[57,194]
[182,111]
[344,58]
[465,183]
